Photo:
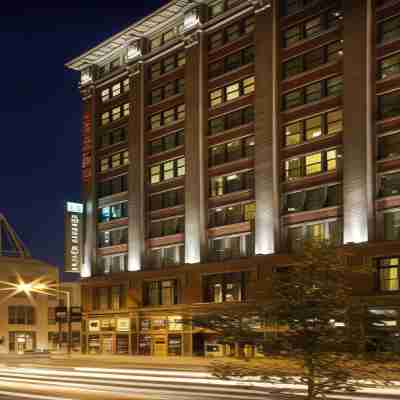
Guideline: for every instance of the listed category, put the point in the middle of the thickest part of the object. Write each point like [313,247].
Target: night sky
[41,115]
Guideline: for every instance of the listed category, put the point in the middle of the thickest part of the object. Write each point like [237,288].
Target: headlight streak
[168,385]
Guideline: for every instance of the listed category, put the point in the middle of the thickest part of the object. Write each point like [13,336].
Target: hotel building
[217,135]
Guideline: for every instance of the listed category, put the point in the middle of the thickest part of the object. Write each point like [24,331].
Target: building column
[266,172]
[137,173]
[89,179]
[195,150]
[358,115]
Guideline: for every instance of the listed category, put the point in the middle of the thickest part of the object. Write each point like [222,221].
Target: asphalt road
[43,379]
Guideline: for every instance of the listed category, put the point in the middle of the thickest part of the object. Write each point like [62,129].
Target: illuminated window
[216,97]
[155,174]
[116,113]
[293,134]
[115,160]
[168,170]
[105,118]
[293,168]
[232,91]
[389,276]
[125,158]
[215,8]
[249,85]
[313,127]
[331,158]
[180,112]
[168,116]
[155,121]
[126,109]
[125,85]
[313,164]
[334,86]
[250,211]
[116,89]
[222,288]
[181,167]
[104,165]
[389,105]
[105,95]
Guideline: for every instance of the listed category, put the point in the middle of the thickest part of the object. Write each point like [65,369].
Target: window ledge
[230,163]
[307,177]
[226,195]
[392,158]
[165,152]
[313,103]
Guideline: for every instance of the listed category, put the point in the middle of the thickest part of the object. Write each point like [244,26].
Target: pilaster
[137,173]
[195,146]
[89,178]
[358,162]
[266,171]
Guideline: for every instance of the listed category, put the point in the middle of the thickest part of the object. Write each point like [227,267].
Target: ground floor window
[20,342]
[174,345]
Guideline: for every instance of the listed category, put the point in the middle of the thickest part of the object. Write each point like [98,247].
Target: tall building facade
[217,136]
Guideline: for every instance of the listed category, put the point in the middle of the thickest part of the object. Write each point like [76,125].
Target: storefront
[108,336]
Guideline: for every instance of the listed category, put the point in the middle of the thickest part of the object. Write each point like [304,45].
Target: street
[45,379]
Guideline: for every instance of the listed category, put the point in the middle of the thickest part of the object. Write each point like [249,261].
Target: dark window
[113,186]
[389,30]
[392,225]
[390,185]
[167,227]
[110,138]
[389,146]
[221,288]
[159,293]
[166,143]
[389,105]
[389,66]
[21,315]
[232,120]
[312,59]
[231,33]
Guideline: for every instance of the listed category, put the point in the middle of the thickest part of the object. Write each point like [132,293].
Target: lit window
[331,159]
[293,134]
[105,118]
[126,109]
[313,128]
[293,168]
[313,164]
[249,85]
[181,167]
[115,160]
[125,85]
[105,95]
[155,121]
[104,165]
[168,170]
[216,97]
[169,116]
[116,113]
[155,174]
[232,91]
[116,90]
[125,157]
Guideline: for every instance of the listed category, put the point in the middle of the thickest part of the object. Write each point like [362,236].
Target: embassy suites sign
[73,237]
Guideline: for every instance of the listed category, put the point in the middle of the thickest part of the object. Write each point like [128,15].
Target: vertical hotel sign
[73,237]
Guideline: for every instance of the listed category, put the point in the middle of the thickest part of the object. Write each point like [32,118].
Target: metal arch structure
[10,243]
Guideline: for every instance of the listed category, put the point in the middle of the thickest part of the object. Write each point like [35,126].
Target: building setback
[202,110]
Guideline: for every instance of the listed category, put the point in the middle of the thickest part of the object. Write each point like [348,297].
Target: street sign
[73,237]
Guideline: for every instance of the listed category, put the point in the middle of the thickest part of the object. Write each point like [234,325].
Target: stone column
[266,129]
[195,149]
[137,173]
[358,161]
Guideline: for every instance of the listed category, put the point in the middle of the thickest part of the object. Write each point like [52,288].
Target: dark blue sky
[40,111]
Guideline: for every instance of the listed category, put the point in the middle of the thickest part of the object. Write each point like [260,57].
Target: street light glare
[24,287]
